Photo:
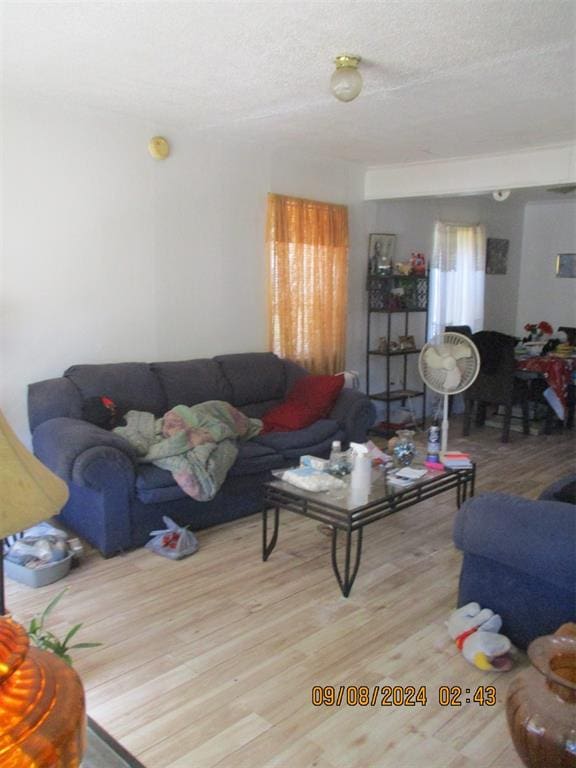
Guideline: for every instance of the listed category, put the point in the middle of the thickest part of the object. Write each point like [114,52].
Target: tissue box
[315,462]
[38,577]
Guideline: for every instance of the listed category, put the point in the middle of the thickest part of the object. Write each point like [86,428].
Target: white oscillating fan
[448,364]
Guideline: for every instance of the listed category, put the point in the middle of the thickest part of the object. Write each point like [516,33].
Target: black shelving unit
[393,295]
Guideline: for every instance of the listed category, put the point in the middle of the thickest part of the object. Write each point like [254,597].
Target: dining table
[558,373]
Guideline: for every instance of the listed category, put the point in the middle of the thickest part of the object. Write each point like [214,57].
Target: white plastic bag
[173,542]
[311,479]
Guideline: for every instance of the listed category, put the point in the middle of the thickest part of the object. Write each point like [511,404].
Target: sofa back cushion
[188,382]
[52,398]
[254,376]
[130,385]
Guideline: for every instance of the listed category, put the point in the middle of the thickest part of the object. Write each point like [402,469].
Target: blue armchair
[520,559]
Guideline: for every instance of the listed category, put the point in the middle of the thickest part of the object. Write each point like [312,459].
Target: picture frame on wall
[381,248]
[566,265]
[496,255]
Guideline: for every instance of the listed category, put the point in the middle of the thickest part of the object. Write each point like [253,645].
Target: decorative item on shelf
[541,702]
[403,268]
[407,343]
[42,708]
[381,254]
[383,344]
[397,299]
[403,448]
[418,263]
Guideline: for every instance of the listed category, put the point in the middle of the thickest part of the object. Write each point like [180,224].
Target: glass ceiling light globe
[346,82]
[501,194]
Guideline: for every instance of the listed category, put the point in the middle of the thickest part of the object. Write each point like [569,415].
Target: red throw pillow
[311,398]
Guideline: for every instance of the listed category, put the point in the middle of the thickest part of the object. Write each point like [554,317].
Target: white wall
[549,229]
[109,255]
[543,166]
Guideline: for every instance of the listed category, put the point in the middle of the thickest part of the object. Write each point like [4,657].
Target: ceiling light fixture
[501,194]
[346,82]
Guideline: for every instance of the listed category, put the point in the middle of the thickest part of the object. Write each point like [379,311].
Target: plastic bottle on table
[336,460]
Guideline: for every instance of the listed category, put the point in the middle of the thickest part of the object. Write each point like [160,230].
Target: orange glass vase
[541,704]
[42,708]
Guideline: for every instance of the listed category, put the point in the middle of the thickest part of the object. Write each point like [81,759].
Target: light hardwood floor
[210,661]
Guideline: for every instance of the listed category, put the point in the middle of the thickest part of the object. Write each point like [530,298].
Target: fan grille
[449,363]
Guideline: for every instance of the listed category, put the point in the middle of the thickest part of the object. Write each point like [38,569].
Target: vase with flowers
[538,331]
[538,335]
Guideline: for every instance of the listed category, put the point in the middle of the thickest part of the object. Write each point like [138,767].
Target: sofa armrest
[68,446]
[535,537]
[355,413]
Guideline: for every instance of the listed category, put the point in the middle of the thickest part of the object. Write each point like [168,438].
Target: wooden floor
[211,661]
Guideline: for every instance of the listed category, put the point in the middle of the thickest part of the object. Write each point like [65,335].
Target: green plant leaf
[51,605]
[48,641]
[71,634]
[85,645]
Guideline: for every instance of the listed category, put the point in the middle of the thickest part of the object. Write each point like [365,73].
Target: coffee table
[102,751]
[349,511]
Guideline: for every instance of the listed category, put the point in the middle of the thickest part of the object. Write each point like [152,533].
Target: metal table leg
[267,548]
[346,582]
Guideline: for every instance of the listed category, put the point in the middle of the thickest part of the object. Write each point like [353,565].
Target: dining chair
[570,333]
[465,330]
[496,383]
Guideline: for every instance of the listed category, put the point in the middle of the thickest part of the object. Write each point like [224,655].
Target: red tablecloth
[556,370]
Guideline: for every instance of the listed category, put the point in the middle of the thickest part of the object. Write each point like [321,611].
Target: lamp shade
[29,491]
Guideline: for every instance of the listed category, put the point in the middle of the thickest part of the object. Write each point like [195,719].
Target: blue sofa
[520,559]
[114,501]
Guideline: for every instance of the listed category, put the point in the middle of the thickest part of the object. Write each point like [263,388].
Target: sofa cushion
[254,458]
[300,441]
[321,448]
[311,398]
[189,382]
[254,376]
[257,410]
[132,386]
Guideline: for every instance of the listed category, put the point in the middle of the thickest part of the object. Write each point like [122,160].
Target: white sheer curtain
[457,277]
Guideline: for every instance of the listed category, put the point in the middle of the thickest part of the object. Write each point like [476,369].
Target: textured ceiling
[442,78]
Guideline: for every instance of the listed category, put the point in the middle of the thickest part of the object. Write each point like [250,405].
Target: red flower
[530,327]
[545,327]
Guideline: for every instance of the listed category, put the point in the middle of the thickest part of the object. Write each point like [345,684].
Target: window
[457,277]
[307,245]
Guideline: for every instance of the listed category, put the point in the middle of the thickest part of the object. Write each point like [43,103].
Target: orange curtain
[307,244]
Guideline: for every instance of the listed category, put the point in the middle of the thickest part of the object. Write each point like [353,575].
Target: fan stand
[444,435]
